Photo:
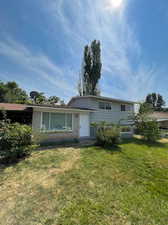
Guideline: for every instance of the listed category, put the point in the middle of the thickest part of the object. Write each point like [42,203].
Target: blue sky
[42,41]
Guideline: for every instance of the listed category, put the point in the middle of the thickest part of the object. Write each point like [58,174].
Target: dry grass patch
[72,186]
[30,187]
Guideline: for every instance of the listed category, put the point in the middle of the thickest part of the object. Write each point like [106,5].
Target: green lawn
[91,186]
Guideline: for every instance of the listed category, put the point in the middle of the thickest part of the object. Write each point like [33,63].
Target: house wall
[113,116]
[163,124]
[60,136]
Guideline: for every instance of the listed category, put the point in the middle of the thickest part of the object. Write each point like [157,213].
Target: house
[161,118]
[73,121]
[105,109]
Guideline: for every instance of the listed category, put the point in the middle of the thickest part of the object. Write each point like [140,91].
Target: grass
[88,186]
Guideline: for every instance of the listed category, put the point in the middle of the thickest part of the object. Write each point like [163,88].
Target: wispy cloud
[82,21]
[39,64]
[74,24]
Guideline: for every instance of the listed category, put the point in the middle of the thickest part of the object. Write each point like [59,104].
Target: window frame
[127,108]
[56,130]
[105,105]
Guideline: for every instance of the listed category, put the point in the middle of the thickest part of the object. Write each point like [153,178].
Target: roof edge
[102,98]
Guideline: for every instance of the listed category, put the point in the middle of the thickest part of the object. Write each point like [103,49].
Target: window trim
[55,130]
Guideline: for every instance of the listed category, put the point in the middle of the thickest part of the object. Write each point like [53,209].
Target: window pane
[108,106]
[45,121]
[57,121]
[122,107]
[69,122]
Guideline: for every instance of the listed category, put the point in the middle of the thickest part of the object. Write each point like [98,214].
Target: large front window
[56,121]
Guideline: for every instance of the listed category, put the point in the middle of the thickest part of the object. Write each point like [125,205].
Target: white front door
[84,125]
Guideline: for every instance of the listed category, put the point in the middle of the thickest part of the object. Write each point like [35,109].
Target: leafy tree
[160,102]
[38,97]
[53,100]
[34,95]
[145,109]
[144,114]
[11,93]
[150,131]
[146,126]
[91,70]
[156,101]
[3,91]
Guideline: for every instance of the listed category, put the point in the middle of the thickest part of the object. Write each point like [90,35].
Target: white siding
[114,115]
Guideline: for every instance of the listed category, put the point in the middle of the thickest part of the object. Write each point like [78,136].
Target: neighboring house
[161,118]
[59,123]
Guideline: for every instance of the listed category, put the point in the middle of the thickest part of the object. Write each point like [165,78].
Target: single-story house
[161,118]
[73,121]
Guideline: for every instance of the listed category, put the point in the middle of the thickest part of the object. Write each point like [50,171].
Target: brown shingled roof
[22,107]
[13,107]
[159,115]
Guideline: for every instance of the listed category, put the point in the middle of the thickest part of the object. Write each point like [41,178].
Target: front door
[84,125]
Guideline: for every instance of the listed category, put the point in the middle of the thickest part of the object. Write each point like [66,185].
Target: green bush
[149,130]
[15,141]
[125,129]
[108,135]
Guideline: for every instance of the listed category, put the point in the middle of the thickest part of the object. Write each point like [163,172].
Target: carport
[17,113]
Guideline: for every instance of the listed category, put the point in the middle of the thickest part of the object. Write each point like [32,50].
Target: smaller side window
[108,106]
[123,108]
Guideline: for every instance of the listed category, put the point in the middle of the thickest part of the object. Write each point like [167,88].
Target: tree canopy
[156,101]
[10,92]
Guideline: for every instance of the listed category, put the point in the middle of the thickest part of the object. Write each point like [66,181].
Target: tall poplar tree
[91,70]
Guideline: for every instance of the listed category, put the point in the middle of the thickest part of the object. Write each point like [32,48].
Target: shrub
[108,135]
[15,142]
[125,129]
[149,130]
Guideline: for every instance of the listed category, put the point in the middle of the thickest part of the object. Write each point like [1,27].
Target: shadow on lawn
[109,149]
[5,164]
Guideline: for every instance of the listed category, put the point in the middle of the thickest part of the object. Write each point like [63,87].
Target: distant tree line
[10,92]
